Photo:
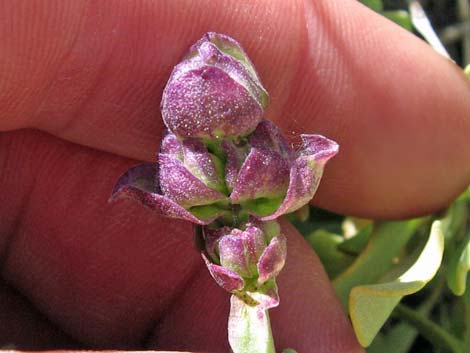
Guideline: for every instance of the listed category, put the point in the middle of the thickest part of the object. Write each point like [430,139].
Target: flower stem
[249,329]
[431,331]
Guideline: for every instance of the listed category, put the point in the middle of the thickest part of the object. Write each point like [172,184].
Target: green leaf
[249,329]
[459,267]
[325,245]
[319,219]
[402,335]
[358,242]
[434,333]
[353,225]
[466,71]
[207,211]
[302,213]
[466,194]
[371,305]
[375,5]
[263,206]
[400,17]
[387,241]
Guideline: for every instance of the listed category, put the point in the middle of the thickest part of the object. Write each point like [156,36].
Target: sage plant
[231,172]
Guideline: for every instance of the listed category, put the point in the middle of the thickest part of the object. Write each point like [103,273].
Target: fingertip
[399,111]
[310,314]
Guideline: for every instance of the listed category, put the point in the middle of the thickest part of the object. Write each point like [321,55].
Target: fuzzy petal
[273,259]
[236,155]
[227,279]
[226,53]
[267,295]
[138,183]
[211,239]
[318,147]
[232,253]
[172,146]
[180,185]
[264,174]
[305,173]
[203,165]
[268,136]
[254,243]
[141,176]
[207,103]
[214,92]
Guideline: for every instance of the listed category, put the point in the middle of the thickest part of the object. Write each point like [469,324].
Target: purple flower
[261,175]
[223,166]
[186,183]
[246,262]
[273,179]
[214,92]
[220,160]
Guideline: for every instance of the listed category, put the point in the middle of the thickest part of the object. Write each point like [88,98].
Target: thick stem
[249,329]
[434,333]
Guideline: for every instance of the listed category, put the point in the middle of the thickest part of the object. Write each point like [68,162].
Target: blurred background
[450,19]
[434,317]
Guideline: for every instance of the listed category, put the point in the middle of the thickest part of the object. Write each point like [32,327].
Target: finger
[119,276]
[103,273]
[22,327]
[310,314]
[399,111]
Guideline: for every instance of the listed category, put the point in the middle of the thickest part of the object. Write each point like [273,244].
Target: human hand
[85,79]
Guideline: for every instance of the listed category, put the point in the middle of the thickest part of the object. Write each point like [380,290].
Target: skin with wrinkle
[332,83]
[90,76]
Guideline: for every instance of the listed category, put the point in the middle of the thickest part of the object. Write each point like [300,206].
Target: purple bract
[247,261]
[214,92]
[262,174]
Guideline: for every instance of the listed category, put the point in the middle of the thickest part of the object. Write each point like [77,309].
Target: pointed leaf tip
[319,147]
[371,305]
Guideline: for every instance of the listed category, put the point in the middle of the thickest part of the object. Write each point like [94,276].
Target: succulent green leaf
[351,226]
[387,241]
[466,194]
[326,245]
[358,242]
[466,71]
[459,267]
[249,330]
[302,213]
[375,5]
[439,337]
[371,305]
[402,335]
[400,17]
[466,296]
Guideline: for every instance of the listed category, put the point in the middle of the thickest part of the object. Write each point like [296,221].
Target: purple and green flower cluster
[225,168]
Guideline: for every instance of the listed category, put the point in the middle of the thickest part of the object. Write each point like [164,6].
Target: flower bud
[189,174]
[244,260]
[252,171]
[214,92]
[268,178]
[260,175]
